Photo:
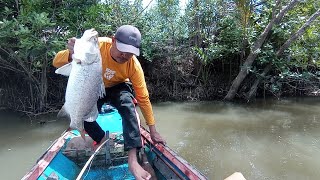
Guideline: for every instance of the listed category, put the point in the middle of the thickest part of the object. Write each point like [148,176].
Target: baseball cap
[128,39]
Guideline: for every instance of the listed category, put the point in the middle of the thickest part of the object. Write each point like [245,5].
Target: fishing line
[89,162]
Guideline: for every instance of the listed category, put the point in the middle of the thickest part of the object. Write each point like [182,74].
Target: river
[266,139]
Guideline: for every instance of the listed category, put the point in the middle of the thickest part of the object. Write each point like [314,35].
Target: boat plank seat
[79,151]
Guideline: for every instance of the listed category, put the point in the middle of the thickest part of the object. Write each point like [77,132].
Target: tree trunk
[256,48]
[254,87]
[295,36]
[44,86]
[197,37]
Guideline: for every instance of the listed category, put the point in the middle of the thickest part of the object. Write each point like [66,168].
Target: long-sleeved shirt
[114,73]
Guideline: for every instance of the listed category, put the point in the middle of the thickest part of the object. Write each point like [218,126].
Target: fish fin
[64,70]
[102,90]
[92,57]
[63,113]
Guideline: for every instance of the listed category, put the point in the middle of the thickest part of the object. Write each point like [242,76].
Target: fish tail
[63,113]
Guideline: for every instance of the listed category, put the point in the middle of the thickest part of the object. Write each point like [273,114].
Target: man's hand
[70,47]
[155,136]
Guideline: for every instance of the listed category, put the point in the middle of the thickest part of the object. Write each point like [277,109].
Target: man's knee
[126,98]
[94,130]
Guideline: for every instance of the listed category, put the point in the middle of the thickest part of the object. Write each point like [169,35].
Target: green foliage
[163,31]
[30,36]
[123,12]
[305,51]
[31,33]
[221,31]
[267,54]
[78,15]
[302,54]
[28,39]
[205,37]
[228,42]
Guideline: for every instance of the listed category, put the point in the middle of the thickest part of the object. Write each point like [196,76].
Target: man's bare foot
[135,168]
[95,146]
[147,166]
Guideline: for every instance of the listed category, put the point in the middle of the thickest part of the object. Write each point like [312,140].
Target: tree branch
[255,51]
[280,52]
[298,33]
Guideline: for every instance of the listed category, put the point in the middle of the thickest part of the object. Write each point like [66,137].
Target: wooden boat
[70,157]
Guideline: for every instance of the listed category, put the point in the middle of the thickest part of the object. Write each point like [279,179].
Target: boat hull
[65,160]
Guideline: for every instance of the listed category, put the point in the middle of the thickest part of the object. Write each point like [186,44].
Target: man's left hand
[155,136]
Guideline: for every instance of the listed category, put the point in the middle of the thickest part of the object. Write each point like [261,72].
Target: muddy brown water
[269,139]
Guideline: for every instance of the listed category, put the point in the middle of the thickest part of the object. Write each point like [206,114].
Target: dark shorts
[121,97]
[94,130]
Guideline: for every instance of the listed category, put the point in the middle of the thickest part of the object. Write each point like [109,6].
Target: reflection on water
[263,140]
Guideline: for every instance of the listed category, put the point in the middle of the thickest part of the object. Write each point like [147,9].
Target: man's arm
[65,56]
[61,58]
[142,95]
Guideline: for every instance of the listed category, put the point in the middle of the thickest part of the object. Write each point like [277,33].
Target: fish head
[90,35]
[86,49]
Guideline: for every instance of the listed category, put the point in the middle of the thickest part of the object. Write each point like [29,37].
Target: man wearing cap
[120,69]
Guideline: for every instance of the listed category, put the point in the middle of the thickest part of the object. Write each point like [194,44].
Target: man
[120,66]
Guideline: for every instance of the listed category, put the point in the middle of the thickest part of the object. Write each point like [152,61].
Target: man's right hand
[70,47]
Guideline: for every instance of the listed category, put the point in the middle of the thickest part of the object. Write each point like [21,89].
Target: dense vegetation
[212,49]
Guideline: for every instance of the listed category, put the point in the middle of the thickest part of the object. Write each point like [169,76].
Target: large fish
[85,83]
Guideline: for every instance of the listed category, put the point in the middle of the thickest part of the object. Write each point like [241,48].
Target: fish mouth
[94,34]
[94,37]
[90,35]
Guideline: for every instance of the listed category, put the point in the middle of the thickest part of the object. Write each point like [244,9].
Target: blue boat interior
[62,167]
